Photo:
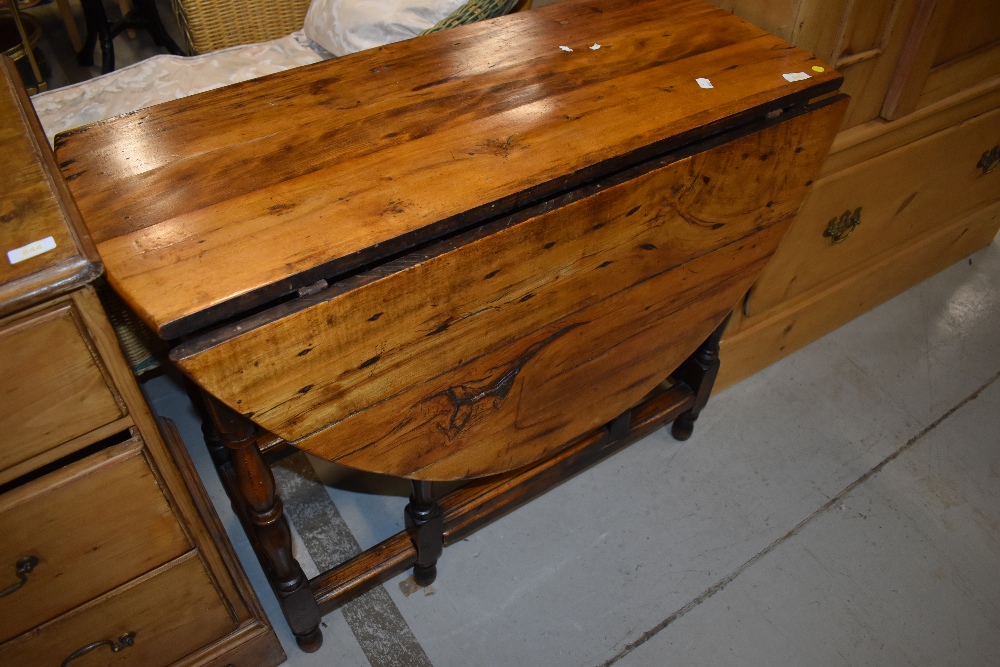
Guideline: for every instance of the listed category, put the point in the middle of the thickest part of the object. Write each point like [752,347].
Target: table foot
[425,524]
[698,372]
[311,642]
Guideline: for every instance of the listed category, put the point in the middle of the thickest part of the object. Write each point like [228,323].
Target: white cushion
[163,78]
[346,26]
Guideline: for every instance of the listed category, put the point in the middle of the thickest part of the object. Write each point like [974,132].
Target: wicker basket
[472,11]
[210,25]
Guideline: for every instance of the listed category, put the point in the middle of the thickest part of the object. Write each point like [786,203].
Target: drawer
[903,195]
[92,526]
[53,387]
[169,614]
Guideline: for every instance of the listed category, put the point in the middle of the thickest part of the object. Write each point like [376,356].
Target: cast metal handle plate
[990,160]
[22,567]
[840,228]
[124,642]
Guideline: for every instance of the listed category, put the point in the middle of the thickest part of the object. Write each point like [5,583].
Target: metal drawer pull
[22,567]
[124,642]
[840,228]
[990,160]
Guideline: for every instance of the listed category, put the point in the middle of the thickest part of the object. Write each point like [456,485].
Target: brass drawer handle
[124,642]
[990,160]
[840,228]
[22,567]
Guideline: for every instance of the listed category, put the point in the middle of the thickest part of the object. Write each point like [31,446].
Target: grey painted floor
[840,508]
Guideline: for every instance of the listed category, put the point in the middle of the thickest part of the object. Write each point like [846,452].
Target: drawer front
[902,196]
[53,388]
[90,526]
[167,615]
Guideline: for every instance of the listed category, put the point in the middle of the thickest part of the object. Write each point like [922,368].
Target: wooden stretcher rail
[480,502]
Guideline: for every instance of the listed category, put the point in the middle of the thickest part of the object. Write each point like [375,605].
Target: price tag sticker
[796,76]
[31,250]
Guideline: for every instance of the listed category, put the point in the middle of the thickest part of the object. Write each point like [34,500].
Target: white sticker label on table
[31,250]
[704,83]
[796,76]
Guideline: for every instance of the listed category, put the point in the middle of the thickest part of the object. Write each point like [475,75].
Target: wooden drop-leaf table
[496,253]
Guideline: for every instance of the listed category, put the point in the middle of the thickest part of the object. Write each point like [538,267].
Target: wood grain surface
[927,185]
[34,206]
[213,204]
[53,385]
[84,547]
[491,350]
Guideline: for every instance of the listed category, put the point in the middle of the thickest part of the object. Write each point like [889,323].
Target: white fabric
[346,26]
[163,78]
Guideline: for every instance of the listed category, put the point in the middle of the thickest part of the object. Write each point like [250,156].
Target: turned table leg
[698,372]
[264,509]
[425,523]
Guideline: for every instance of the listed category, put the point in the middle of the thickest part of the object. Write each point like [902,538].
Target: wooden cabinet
[914,164]
[108,546]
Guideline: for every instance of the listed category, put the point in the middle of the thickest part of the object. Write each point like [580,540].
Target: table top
[208,206]
[44,251]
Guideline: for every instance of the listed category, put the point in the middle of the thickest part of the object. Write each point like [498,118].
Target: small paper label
[31,250]
[704,83]
[796,76]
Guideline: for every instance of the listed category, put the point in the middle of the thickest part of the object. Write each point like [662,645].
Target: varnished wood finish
[263,509]
[467,254]
[83,549]
[173,611]
[53,386]
[212,204]
[425,371]
[33,207]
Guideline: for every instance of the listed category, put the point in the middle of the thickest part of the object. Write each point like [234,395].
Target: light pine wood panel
[926,33]
[172,612]
[53,386]
[973,26]
[775,16]
[92,526]
[761,341]
[903,194]
[494,320]
[868,53]
[878,137]
[863,39]
[960,74]
[253,190]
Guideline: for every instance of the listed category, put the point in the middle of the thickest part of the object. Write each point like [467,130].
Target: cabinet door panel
[952,46]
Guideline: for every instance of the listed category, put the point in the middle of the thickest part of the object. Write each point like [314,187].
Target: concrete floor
[841,507]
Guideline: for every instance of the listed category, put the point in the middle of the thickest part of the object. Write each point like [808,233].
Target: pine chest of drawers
[109,551]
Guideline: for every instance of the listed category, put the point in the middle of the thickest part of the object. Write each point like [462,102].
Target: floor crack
[722,583]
